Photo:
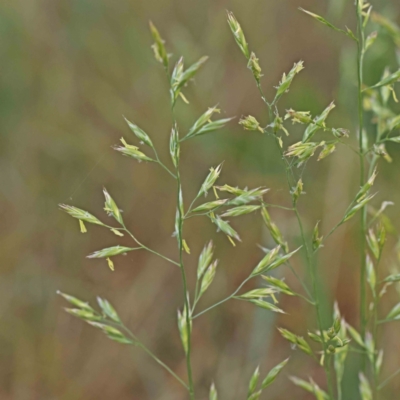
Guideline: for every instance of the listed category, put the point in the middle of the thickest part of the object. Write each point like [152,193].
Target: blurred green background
[70,69]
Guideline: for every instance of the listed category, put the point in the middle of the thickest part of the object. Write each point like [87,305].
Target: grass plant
[330,346]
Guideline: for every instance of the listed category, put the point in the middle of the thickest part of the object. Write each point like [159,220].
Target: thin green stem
[306,299]
[311,268]
[360,72]
[313,273]
[290,176]
[375,333]
[191,206]
[184,282]
[375,386]
[181,218]
[224,300]
[138,343]
[148,249]
[350,147]
[262,93]
[296,275]
[331,231]
[386,381]
[277,206]
[354,350]
[162,164]
[383,321]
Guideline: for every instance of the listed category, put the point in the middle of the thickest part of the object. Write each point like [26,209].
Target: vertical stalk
[375,321]
[181,217]
[360,71]
[312,268]
[339,390]
[375,377]
[185,290]
[188,316]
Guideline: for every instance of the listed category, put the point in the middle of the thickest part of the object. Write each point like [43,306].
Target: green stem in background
[375,385]
[327,364]
[311,267]
[375,324]
[386,381]
[287,171]
[360,71]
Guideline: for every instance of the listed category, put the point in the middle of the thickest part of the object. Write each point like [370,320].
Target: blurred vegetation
[69,71]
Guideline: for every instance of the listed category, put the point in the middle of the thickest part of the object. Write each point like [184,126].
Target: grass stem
[363,224]
[148,249]
[138,343]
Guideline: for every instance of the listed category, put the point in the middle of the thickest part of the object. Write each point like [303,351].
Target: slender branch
[277,206]
[383,321]
[148,249]
[261,92]
[354,350]
[306,299]
[297,276]
[162,164]
[191,206]
[224,300]
[386,381]
[375,387]
[138,343]
[332,231]
[350,147]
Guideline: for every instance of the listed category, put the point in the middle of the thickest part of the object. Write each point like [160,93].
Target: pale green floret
[238,34]
[160,53]
[132,151]
[251,124]
[286,80]
[254,66]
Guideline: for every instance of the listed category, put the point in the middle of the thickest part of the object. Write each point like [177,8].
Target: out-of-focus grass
[69,71]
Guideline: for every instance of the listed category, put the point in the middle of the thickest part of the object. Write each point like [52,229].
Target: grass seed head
[300,117]
[132,151]
[238,34]
[82,215]
[160,53]
[140,133]
[250,123]
[111,208]
[286,80]
[254,66]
